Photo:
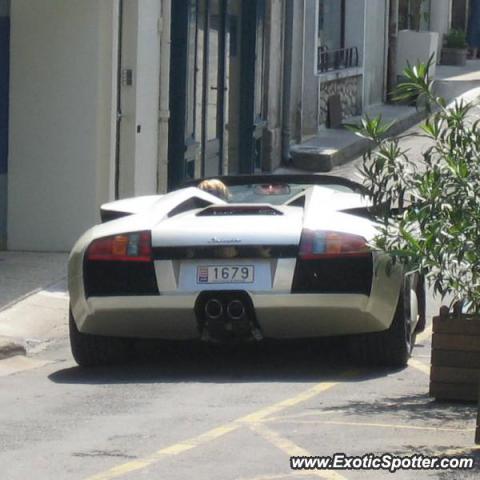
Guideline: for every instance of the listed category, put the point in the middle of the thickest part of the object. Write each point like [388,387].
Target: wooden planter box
[455,370]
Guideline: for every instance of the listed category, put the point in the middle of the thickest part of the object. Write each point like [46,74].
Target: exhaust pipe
[236,310]
[213,309]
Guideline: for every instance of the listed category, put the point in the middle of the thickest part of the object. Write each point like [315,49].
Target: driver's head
[215,187]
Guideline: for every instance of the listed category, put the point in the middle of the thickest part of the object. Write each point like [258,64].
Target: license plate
[225,274]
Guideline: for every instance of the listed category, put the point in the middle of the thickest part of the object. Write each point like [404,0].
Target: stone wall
[350,91]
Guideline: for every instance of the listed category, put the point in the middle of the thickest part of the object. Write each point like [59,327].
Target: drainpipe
[164,96]
[118,100]
[287,81]
[392,46]
[386,26]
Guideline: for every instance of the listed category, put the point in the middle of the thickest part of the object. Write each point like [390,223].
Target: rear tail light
[129,247]
[327,244]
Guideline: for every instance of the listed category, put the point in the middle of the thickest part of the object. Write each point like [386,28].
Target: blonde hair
[215,187]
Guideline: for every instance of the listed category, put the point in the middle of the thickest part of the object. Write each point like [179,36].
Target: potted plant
[454,51]
[429,219]
[415,42]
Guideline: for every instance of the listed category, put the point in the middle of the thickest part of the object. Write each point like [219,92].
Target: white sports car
[285,257]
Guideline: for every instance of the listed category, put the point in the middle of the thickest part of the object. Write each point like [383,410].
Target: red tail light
[327,244]
[128,247]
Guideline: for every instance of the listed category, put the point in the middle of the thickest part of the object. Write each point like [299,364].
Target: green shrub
[456,39]
[428,210]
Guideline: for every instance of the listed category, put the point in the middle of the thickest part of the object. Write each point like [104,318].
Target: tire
[95,350]
[422,306]
[392,347]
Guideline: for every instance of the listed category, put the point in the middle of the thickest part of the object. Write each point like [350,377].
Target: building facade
[222,55]
[120,98]
[336,49]
[4,95]
[85,90]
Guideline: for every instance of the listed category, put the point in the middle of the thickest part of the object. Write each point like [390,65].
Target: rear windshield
[273,193]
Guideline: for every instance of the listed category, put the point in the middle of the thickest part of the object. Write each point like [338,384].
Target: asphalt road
[187,413]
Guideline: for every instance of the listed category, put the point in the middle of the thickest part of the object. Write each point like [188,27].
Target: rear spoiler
[129,206]
[171,204]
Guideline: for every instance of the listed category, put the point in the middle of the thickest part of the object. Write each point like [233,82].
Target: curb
[14,341]
[470,96]
[306,157]
[11,347]
[30,294]
[309,158]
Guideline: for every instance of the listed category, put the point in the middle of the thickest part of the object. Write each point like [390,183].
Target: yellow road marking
[215,433]
[422,337]
[459,451]
[291,449]
[419,366]
[172,450]
[376,425]
[277,476]
[301,415]
[425,335]
[290,402]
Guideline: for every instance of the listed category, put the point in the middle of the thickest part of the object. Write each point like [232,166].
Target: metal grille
[338,59]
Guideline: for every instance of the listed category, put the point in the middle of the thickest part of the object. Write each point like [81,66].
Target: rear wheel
[422,305]
[391,347]
[94,350]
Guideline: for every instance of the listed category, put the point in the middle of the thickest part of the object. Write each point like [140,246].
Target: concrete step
[334,147]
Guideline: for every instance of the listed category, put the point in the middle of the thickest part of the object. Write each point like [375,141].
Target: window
[331,24]
[413,14]
[337,48]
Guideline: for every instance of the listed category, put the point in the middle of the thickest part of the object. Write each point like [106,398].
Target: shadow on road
[154,362]
[415,407]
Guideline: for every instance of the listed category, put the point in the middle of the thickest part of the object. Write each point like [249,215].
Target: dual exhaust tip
[214,309]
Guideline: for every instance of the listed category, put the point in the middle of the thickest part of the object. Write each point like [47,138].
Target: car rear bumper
[278,315]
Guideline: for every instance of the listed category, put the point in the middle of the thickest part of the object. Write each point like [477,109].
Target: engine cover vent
[228,210]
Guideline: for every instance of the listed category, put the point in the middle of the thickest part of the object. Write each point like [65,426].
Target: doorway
[252,119]
[198,89]
[216,88]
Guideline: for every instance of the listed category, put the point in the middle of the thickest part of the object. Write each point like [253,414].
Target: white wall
[61,104]
[148,78]
[139,127]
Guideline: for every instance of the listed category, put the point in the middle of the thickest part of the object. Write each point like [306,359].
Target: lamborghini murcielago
[285,257]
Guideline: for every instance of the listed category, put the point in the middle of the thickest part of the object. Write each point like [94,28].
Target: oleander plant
[428,208]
